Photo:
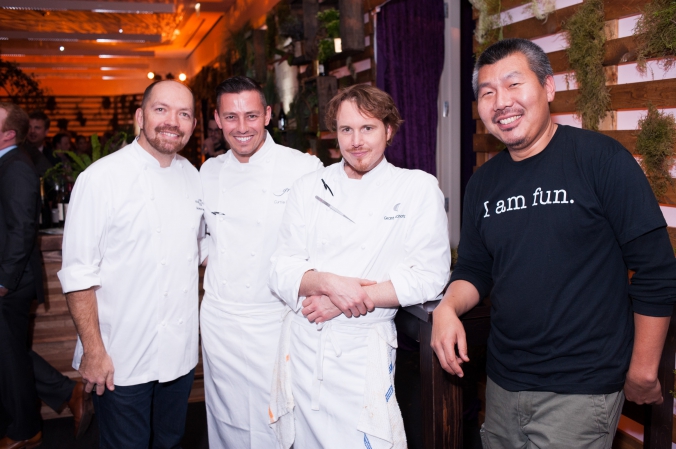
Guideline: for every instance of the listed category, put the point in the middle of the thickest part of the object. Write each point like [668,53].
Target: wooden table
[441,394]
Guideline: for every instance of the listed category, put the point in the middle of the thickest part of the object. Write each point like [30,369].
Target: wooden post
[658,427]
[351,25]
[310,24]
[260,64]
[327,86]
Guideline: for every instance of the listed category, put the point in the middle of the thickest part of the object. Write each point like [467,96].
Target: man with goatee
[130,258]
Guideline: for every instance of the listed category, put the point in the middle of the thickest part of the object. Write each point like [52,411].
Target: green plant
[82,161]
[655,34]
[655,144]
[585,54]
[488,27]
[541,9]
[329,29]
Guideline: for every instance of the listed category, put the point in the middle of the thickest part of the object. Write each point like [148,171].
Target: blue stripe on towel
[388,395]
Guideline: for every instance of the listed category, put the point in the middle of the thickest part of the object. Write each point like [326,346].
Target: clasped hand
[346,295]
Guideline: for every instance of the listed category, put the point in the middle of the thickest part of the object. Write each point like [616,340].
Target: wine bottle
[281,123]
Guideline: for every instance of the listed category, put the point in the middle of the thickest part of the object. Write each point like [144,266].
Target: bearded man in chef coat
[359,239]
[130,259]
[246,191]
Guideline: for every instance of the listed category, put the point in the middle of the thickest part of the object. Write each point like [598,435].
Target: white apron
[240,318]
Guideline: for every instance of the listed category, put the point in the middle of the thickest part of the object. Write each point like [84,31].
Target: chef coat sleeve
[291,259]
[425,270]
[85,232]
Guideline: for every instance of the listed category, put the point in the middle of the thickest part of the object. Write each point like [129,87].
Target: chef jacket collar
[259,155]
[147,158]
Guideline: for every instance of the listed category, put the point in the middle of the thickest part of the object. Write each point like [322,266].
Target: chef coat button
[267,160]
[159,230]
[253,254]
[370,214]
[163,262]
[152,198]
[222,190]
[324,242]
[180,321]
[166,293]
[185,290]
[363,247]
[258,222]
[220,218]
[163,324]
[265,190]
[223,282]
[222,251]
[189,258]
[247,285]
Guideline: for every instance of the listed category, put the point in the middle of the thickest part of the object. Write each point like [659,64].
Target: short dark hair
[16,120]
[39,115]
[370,101]
[537,59]
[149,91]
[238,84]
[57,138]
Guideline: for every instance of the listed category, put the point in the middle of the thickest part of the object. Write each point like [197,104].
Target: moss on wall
[585,54]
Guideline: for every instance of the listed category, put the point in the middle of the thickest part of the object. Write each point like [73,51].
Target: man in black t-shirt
[550,228]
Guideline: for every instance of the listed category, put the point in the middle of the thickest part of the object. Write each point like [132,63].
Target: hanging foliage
[488,27]
[329,29]
[203,85]
[20,87]
[585,54]
[655,34]
[655,143]
[541,9]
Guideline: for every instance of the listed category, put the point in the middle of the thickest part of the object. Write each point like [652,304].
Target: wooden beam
[310,24]
[616,51]
[260,63]
[533,28]
[661,93]
[351,25]
[327,86]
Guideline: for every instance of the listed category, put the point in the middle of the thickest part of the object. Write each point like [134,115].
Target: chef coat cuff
[407,294]
[81,277]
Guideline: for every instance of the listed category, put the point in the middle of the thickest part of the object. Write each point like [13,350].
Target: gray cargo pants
[538,419]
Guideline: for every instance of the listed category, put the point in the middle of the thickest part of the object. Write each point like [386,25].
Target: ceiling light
[108,78]
[338,45]
[182,77]
[120,31]
[151,75]
[62,48]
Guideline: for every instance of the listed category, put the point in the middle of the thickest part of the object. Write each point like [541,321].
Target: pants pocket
[484,438]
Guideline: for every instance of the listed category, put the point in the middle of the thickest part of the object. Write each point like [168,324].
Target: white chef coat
[240,317]
[132,230]
[396,230]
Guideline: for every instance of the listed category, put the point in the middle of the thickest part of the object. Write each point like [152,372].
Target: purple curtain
[410,46]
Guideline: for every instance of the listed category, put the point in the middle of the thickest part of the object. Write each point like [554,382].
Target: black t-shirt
[547,234]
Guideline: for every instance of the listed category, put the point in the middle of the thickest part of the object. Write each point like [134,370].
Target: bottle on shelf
[320,70]
[45,210]
[281,122]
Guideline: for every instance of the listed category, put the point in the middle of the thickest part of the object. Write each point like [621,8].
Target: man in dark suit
[37,136]
[19,267]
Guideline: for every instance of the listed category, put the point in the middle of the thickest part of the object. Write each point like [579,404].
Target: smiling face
[167,120]
[362,139]
[514,106]
[243,118]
